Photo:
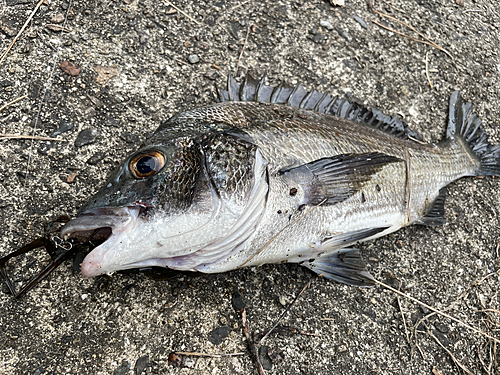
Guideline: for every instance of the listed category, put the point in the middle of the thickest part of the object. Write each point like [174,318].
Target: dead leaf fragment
[71,178]
[460,2]
[54,27]
[58,18]
[338,3]
[170,10]
[104,73]
[70,68]
[435,371]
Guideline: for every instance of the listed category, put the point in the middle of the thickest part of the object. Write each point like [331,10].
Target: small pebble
[96,158]
[141,364]
[218,334]
[175,360]
[122,369]
[237,302]
[86,137]
[266,362]
[188,362]
[64,126]
[44,148]
[212,75]
[193,59]
[443,328]
[319,38]
[326,24]
[70,179]
[70,68]
[360,21]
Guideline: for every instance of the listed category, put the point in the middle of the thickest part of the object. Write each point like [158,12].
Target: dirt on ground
[101,76]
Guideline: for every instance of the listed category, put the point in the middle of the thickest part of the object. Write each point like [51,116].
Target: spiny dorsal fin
[332,180]
[255,90]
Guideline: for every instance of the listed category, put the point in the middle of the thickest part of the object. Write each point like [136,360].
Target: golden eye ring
[146,164]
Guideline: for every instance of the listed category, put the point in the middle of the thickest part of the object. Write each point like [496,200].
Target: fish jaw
[121,220]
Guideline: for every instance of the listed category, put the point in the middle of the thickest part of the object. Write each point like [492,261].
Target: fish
[276,174]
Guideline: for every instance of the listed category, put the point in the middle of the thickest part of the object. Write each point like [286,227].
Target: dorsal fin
[253,89]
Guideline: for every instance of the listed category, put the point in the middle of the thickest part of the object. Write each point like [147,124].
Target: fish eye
[146,164]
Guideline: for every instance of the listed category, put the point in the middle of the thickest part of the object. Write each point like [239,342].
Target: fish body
[271,175]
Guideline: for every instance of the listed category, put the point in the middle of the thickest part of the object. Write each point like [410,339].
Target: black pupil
[146,165]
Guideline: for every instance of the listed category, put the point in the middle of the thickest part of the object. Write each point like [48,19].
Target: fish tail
[468,127]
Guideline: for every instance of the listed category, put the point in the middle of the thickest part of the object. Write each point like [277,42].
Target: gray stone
[326,24]
[360,21]
[86,137]
[193,59]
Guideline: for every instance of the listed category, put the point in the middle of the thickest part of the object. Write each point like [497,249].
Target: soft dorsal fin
[253,89]
[335,179]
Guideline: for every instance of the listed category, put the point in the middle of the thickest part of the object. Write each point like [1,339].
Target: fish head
[161,185]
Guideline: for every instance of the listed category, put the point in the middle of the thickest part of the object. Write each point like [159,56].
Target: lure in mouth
[107,226]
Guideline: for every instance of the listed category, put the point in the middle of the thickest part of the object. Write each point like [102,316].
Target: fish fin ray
[298,97]
[335,179]
[345,266]
[435,214]
[466,125]
[349,238]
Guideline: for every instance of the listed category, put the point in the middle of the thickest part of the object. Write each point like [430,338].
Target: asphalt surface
[135,67]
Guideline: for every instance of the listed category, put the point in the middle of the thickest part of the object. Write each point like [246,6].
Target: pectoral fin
[344,265]
[333,180]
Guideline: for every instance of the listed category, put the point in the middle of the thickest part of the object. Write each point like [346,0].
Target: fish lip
[121,220]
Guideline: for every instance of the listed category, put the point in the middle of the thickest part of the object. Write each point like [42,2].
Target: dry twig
[427,69]
[426,41]
[287,310]
[251,343]
[33,137]
[12,102]
[54,27]
[457,362]
[241,4]
[242,50]
[4,55]
[393,7]
[435,310]
[46,87]
[184,13]
[195,354]
[404,319]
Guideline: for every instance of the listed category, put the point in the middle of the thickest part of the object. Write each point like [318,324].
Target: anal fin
[333,180]
[435,215]
[345,266]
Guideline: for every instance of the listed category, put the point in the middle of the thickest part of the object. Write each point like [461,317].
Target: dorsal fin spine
[256,90]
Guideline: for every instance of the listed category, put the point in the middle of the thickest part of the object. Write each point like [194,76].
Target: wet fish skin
[280,174]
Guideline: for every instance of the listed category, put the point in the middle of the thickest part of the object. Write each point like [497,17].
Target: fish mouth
[105,226]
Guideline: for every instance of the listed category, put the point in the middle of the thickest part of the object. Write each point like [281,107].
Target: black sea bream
[276,174]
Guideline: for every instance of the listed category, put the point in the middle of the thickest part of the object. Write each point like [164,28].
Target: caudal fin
[464,124]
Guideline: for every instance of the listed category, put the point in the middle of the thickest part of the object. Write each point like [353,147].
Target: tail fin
[464,124]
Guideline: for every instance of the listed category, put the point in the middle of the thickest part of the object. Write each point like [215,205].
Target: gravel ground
[140,62]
